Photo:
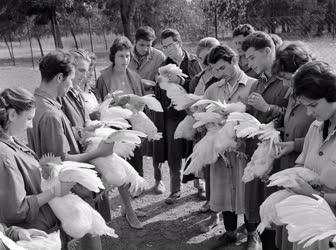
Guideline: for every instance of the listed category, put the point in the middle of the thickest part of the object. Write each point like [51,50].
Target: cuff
[298,144]
[33,208]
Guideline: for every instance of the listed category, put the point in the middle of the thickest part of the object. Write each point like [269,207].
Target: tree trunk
[105,40]
[55,31]
[11,46]
[39,43]
[30,45]
[90,33]
[8,47]
[74,37]
[216,23]
[127,8]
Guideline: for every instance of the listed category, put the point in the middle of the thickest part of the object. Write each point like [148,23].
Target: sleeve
[99,91]
[298,144]
[16,206]
[302,157]
[53,139]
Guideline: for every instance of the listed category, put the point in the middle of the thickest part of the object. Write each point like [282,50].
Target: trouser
[206,172]
[157,170]
[231,219]
[268,239]
[136,161]
[175,166]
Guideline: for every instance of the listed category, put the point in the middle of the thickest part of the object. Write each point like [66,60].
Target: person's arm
[15,205]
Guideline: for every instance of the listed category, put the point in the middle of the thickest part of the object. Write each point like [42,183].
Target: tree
[127,9]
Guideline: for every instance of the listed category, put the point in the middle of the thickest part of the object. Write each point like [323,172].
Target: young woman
[115,78]
[22,202]
[290,56]
[198,85]
[315,88]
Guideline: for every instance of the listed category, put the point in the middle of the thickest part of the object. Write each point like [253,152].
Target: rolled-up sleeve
[53,139]
[16,206]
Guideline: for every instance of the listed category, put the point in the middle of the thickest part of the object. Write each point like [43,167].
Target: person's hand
[28,234]
[302,187]
[93,125]
[104,149]
[258,102]
[285,148]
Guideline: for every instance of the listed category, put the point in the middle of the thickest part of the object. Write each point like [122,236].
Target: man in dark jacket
[168,148]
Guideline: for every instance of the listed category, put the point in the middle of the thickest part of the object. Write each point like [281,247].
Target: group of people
[276,81]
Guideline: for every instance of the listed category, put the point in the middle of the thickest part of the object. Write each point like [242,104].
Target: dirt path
[166,226]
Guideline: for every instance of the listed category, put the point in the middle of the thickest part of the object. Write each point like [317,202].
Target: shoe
[173,198]
[253,241]
[205,208]
[135,225]
[210,224]
[224,240]
[159,187]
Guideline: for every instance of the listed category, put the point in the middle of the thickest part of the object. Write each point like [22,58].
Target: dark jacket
[189,66]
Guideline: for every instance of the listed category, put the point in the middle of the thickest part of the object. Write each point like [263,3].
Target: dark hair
[257,40]
[222,52]
[243,29]
[119,44]
[145,33]
[80,54]
[277,40]
[315,80]
[290,56]
[54,63]
[18,99]
[206,43]
[173,33]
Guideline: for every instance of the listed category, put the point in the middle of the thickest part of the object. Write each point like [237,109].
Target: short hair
[277,40]
[243,29]
[222,52]
[173,33]
[80,54]
[18,99]
[315,80]
[119,44]
[56,62]
[145,33]
[206,43]
[257,40]
[290,56]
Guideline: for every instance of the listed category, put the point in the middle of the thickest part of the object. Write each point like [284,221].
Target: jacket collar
[39,92]
[241,78]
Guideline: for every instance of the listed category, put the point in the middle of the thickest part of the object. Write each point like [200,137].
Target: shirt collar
[241,78]
[41,93]
[138,57]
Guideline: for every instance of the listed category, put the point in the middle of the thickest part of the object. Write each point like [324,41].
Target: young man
[239,34]
[168,148]
[267,102]
[52,131]
[227,189]
[146,60]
